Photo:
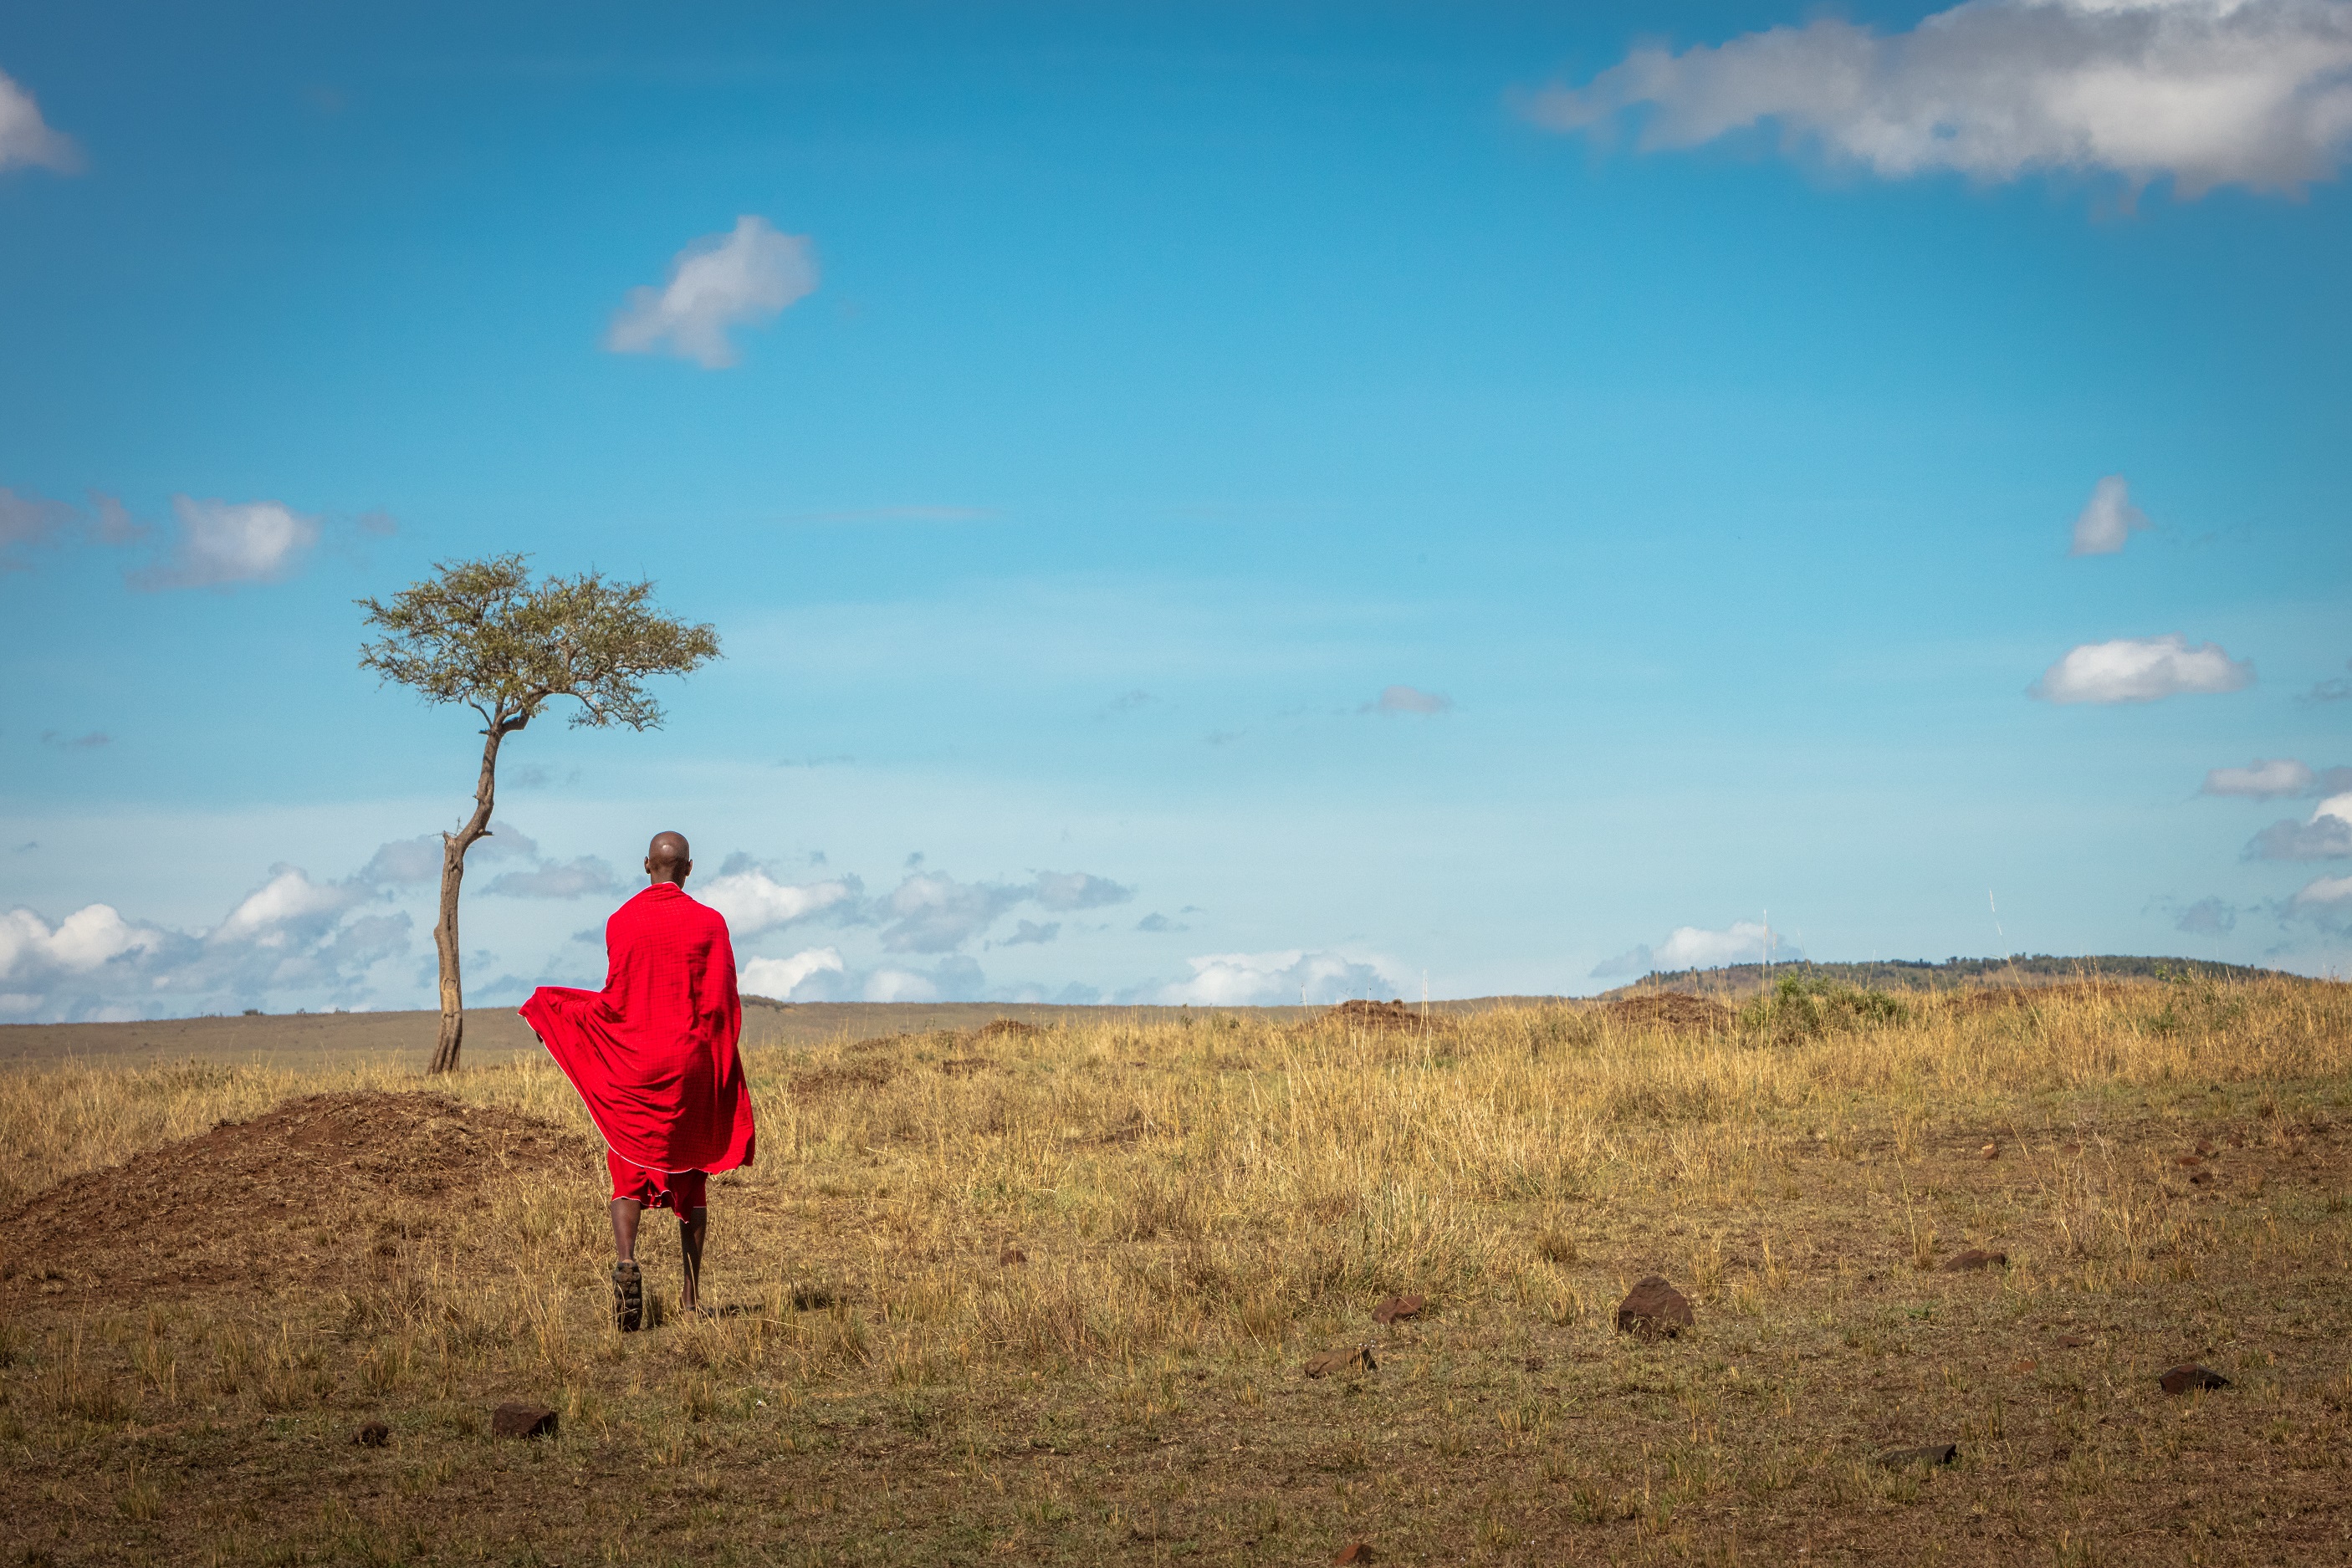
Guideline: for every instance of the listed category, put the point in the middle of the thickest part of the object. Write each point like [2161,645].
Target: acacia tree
[482,633]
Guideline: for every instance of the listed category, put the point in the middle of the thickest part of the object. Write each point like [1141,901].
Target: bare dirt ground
[1051,1293]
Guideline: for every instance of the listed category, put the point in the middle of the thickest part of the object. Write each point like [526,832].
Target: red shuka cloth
[654,1052]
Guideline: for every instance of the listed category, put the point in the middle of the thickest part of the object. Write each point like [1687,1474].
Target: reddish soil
[1675,1011]
[303,1194]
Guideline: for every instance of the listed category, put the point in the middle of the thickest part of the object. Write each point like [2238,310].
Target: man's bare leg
[692,1226]
[625,1229]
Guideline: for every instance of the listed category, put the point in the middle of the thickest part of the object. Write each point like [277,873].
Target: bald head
[669,859]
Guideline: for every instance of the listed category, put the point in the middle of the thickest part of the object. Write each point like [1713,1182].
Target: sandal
[628,1297]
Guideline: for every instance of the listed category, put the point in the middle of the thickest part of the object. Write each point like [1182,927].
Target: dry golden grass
[1194,1209]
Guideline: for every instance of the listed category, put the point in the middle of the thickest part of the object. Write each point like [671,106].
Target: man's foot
[628,1297]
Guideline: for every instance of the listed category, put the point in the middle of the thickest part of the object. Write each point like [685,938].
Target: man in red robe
[653,1054]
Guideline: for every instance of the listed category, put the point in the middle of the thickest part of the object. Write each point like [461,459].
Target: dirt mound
[302,1195]
[1000,1027]
[1378,1016]
[1677,1012]
[820,1081]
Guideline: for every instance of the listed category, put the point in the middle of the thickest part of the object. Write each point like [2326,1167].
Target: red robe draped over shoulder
[653,1053]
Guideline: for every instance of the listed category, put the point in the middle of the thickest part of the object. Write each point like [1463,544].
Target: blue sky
[1210,503]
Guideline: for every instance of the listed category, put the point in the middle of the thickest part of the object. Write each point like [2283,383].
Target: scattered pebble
[2189,1375]
[519,1419]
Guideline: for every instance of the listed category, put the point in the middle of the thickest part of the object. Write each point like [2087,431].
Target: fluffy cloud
[2141,669]
[290,934]
[2260,779]
[2335,689]
[1066,890]
[2325,835]
[1157,922]
[2108,520]
[1408,700]
[2207,917]
[719,282]
[780,978]
[754,901]
[221,543]
[2206,92]
[1274,979]
[25,138]
[956,979]
[1696,948]
[934,913]
[1028,932]
[567,879]
[2328,892]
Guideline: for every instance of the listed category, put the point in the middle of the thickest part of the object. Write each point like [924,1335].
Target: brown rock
[2188,1375]
[1397,1307]
[1010,1256]
[518,1419]
[2204,1148]
[2188,1161]
[375,1434]
[1989,1152]
[2072,1341]
[1933,1454]
[1330,1361]
[1355,1552]
[1534,1364]
[1975,1258]
[1654,1310]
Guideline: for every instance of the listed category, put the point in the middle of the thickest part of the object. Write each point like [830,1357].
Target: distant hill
[1923,975]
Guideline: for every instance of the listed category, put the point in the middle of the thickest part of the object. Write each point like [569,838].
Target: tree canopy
[482,633]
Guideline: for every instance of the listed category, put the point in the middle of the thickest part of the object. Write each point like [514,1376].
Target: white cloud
[719,282]
[1274,979]
[954,980]
[780,978]
[567,879]
[291,935]
[1408,700]
[25,138]
[2141,669]
[935,913]
[1028,934]
[221,543]
[2326,892]
[2206,92]
[2325,835]
[754,901]
[1741,942]
[2265,778]
[2107,519]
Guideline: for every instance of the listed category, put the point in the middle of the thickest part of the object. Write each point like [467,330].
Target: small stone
[1534,1364]
[1355,1552]
[2022,1367]
[1989,1152]
[375,1434]
[2192,1374]
[1397,1307]
[517,1419]
[1654,1310]
[2204,1148]
[2188,1162]
[1976,1257]
[2072,1341]
[1009,1257]
[1933,1454]
[1330,1361]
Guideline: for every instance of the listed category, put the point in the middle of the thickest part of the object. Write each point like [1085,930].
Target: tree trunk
[453,873]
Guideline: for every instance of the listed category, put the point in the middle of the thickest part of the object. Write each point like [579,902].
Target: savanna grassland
[1047,1296]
